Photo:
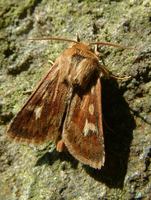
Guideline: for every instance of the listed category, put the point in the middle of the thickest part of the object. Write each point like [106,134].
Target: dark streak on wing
[80,142]
[41,116]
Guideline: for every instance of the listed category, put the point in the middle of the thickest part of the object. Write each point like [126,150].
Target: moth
[66,106]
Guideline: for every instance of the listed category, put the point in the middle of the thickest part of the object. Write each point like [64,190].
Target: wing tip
[98,164]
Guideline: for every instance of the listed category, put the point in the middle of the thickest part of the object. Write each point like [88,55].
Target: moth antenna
[108,74]
[54,38]
[111,44]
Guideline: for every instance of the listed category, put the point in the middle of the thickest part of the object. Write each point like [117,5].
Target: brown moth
[66,106]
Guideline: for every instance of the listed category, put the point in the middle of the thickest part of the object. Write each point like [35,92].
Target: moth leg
[108,74]
[51,62]
[105,72]
[60,146]
[120,78]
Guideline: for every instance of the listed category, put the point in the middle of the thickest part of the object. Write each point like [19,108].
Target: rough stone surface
[40,173]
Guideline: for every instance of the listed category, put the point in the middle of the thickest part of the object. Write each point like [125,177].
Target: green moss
[11,12]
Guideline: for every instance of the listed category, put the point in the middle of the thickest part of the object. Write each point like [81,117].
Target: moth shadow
[118,128]
[51,157]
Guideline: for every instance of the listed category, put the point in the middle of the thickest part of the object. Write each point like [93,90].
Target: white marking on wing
[92,90]
[89,127]
[37,112]
[91,109]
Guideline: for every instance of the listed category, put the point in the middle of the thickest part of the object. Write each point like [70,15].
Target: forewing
[41,117]
[83,130]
